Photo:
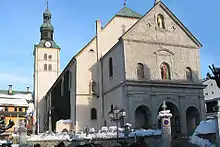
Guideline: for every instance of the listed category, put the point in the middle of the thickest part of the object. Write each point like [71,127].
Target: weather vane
[125,2]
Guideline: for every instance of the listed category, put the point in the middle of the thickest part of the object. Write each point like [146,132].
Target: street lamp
[116,115]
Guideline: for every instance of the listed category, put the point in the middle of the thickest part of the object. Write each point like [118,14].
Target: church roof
[127,12]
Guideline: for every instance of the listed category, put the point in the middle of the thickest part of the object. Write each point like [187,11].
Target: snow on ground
[201,142]
[104,132]
[205,127]
[50,136]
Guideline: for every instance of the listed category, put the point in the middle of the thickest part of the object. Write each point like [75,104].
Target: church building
[134,62]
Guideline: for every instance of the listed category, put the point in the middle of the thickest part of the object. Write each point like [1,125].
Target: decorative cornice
[153,94]
[160,43]
[166,83]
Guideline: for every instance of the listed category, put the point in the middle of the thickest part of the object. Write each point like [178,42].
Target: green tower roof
[46,26]
[127,12]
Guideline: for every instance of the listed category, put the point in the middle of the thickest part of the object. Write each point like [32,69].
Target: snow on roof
[206,127]
[64,121]
[13,102]
[26,96]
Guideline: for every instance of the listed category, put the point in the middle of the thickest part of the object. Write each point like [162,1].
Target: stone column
[165,116]
[22,133]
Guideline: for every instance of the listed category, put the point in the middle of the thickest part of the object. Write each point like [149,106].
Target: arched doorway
[192,119]
[175,119]
[142,117]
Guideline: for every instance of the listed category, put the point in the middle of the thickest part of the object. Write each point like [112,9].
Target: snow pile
[143,132]
[164,113]
[64,121]
[112,133]
[50,136]
[201,142]
[206,127]
[103,133]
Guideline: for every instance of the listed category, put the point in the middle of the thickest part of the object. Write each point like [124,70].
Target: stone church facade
[134,62]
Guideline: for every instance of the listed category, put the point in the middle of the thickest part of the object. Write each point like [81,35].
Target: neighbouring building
[134,62]
[17,106]
[211,96]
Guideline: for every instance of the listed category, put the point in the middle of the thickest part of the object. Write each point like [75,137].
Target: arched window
[93,114]
[45,56]
[45,66]
[140,71]
[50,57]
[160,21]
[165,71]
[188,74]
[49,67]
[111,109]
[110,64]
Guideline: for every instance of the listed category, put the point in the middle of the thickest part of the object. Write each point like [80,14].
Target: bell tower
[46,68]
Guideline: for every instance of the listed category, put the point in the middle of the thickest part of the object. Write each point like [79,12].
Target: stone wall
[151,141]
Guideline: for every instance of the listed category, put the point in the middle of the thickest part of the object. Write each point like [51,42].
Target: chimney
[98,26]
[10,90]
[28,89]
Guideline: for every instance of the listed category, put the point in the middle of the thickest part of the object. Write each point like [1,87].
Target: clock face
[47,44]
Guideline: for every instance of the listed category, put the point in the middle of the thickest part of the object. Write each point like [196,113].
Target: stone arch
[192,119]
[175,119]
[143,117]
[162,50]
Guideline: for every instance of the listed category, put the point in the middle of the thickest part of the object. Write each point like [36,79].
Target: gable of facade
[158,40]
[160,25]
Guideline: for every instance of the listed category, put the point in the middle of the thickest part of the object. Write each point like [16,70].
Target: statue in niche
[160,21]
[165,73]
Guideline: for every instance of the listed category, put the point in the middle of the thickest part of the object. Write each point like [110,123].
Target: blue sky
[74,22]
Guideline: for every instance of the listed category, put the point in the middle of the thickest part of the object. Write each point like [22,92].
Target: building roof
[13,102]
[127,12]
[16,95]
[14,92]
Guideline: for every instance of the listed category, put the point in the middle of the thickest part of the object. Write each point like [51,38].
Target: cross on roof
[125,2]
[47,4]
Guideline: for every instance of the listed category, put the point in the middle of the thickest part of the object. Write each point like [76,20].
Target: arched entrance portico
[192,119]
[142,117]
[175,119]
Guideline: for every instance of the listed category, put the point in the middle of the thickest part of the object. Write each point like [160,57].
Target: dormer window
[160,21]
